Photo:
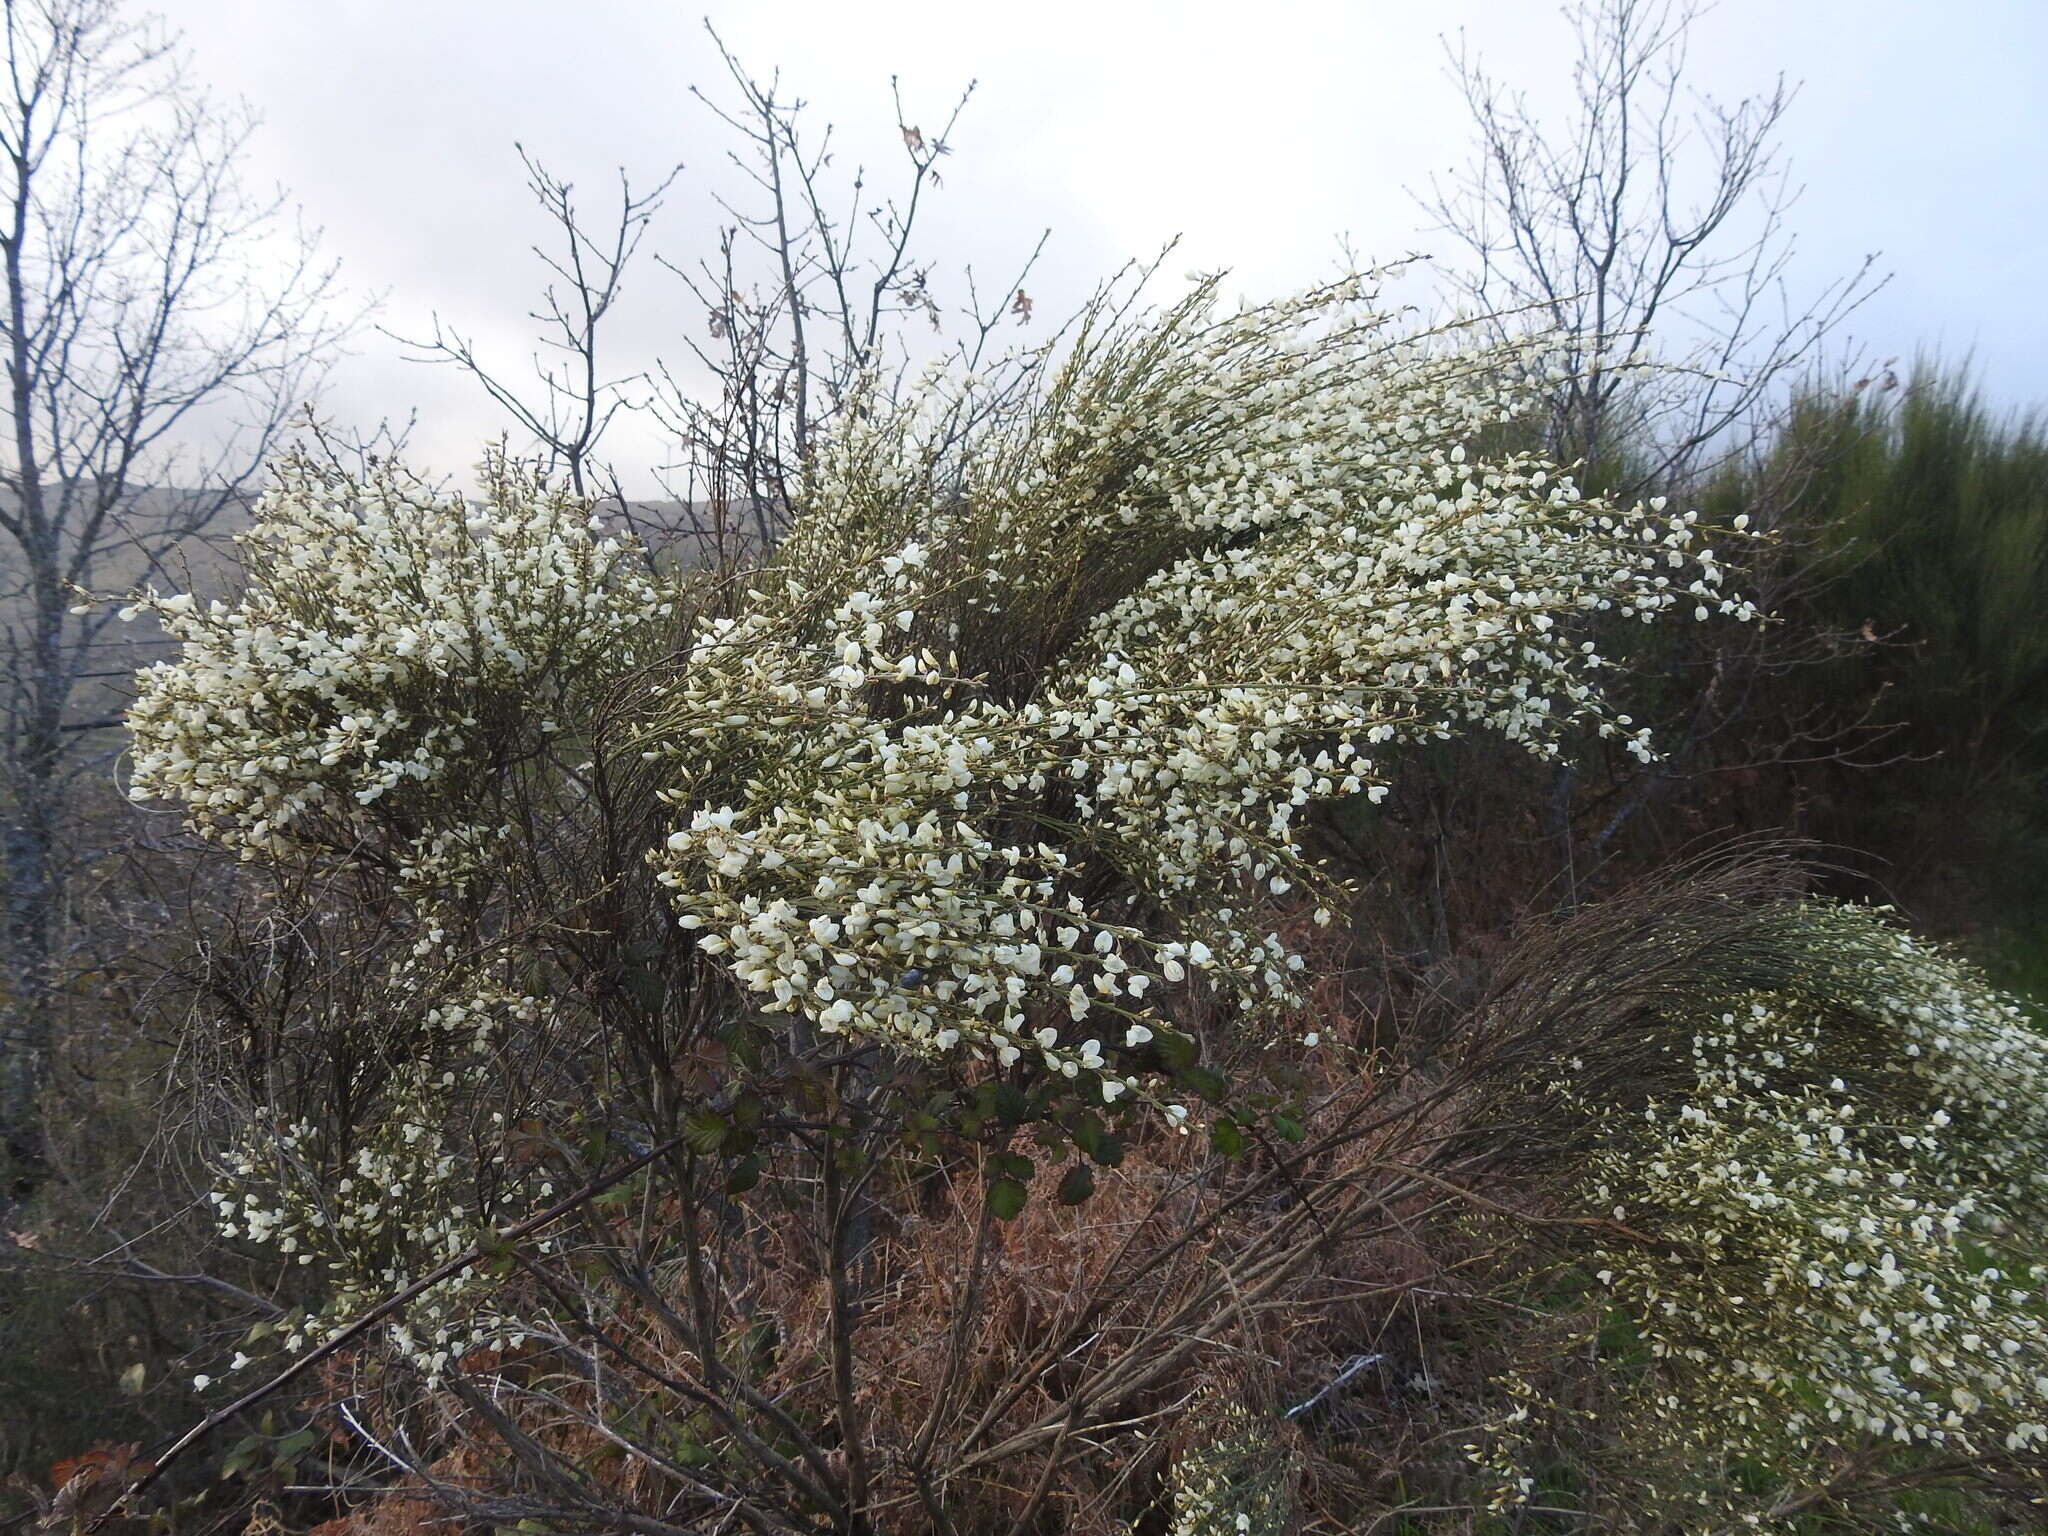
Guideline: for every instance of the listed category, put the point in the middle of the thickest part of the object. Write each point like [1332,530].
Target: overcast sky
[1263,134]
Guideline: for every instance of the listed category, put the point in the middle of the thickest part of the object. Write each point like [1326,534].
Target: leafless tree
[1649,233]
[816,282]
[1650,230]
[840,265]
[576,398]
[161,324]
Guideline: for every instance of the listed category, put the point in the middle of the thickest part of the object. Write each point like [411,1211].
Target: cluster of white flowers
[1236,1480]
[1116,642]
[416,1185]
[384,629]
[1848,1204]
[1972,1051]
[861,878]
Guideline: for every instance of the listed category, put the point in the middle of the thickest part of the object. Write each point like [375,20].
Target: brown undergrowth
[1035,1375]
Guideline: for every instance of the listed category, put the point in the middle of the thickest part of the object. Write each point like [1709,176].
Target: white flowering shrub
[973,829]
[378,1202]
[1823,1229]
[406,673]
[1234,1479]
[393,644]
[1017,731]
[1213,571]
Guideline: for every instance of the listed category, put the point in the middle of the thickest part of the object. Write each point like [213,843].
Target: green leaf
[1176,1050]
[1086,1131]
[243,1456]
[1006,1199]
[748,1043]
[746,1173]
[285,1453]
[1012,1165]
[706,1131]
[1011,1106]
[1225,1138]
[1077,1185]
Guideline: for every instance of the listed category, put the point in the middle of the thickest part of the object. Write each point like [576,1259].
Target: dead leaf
[91,1484]
[104,1457]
